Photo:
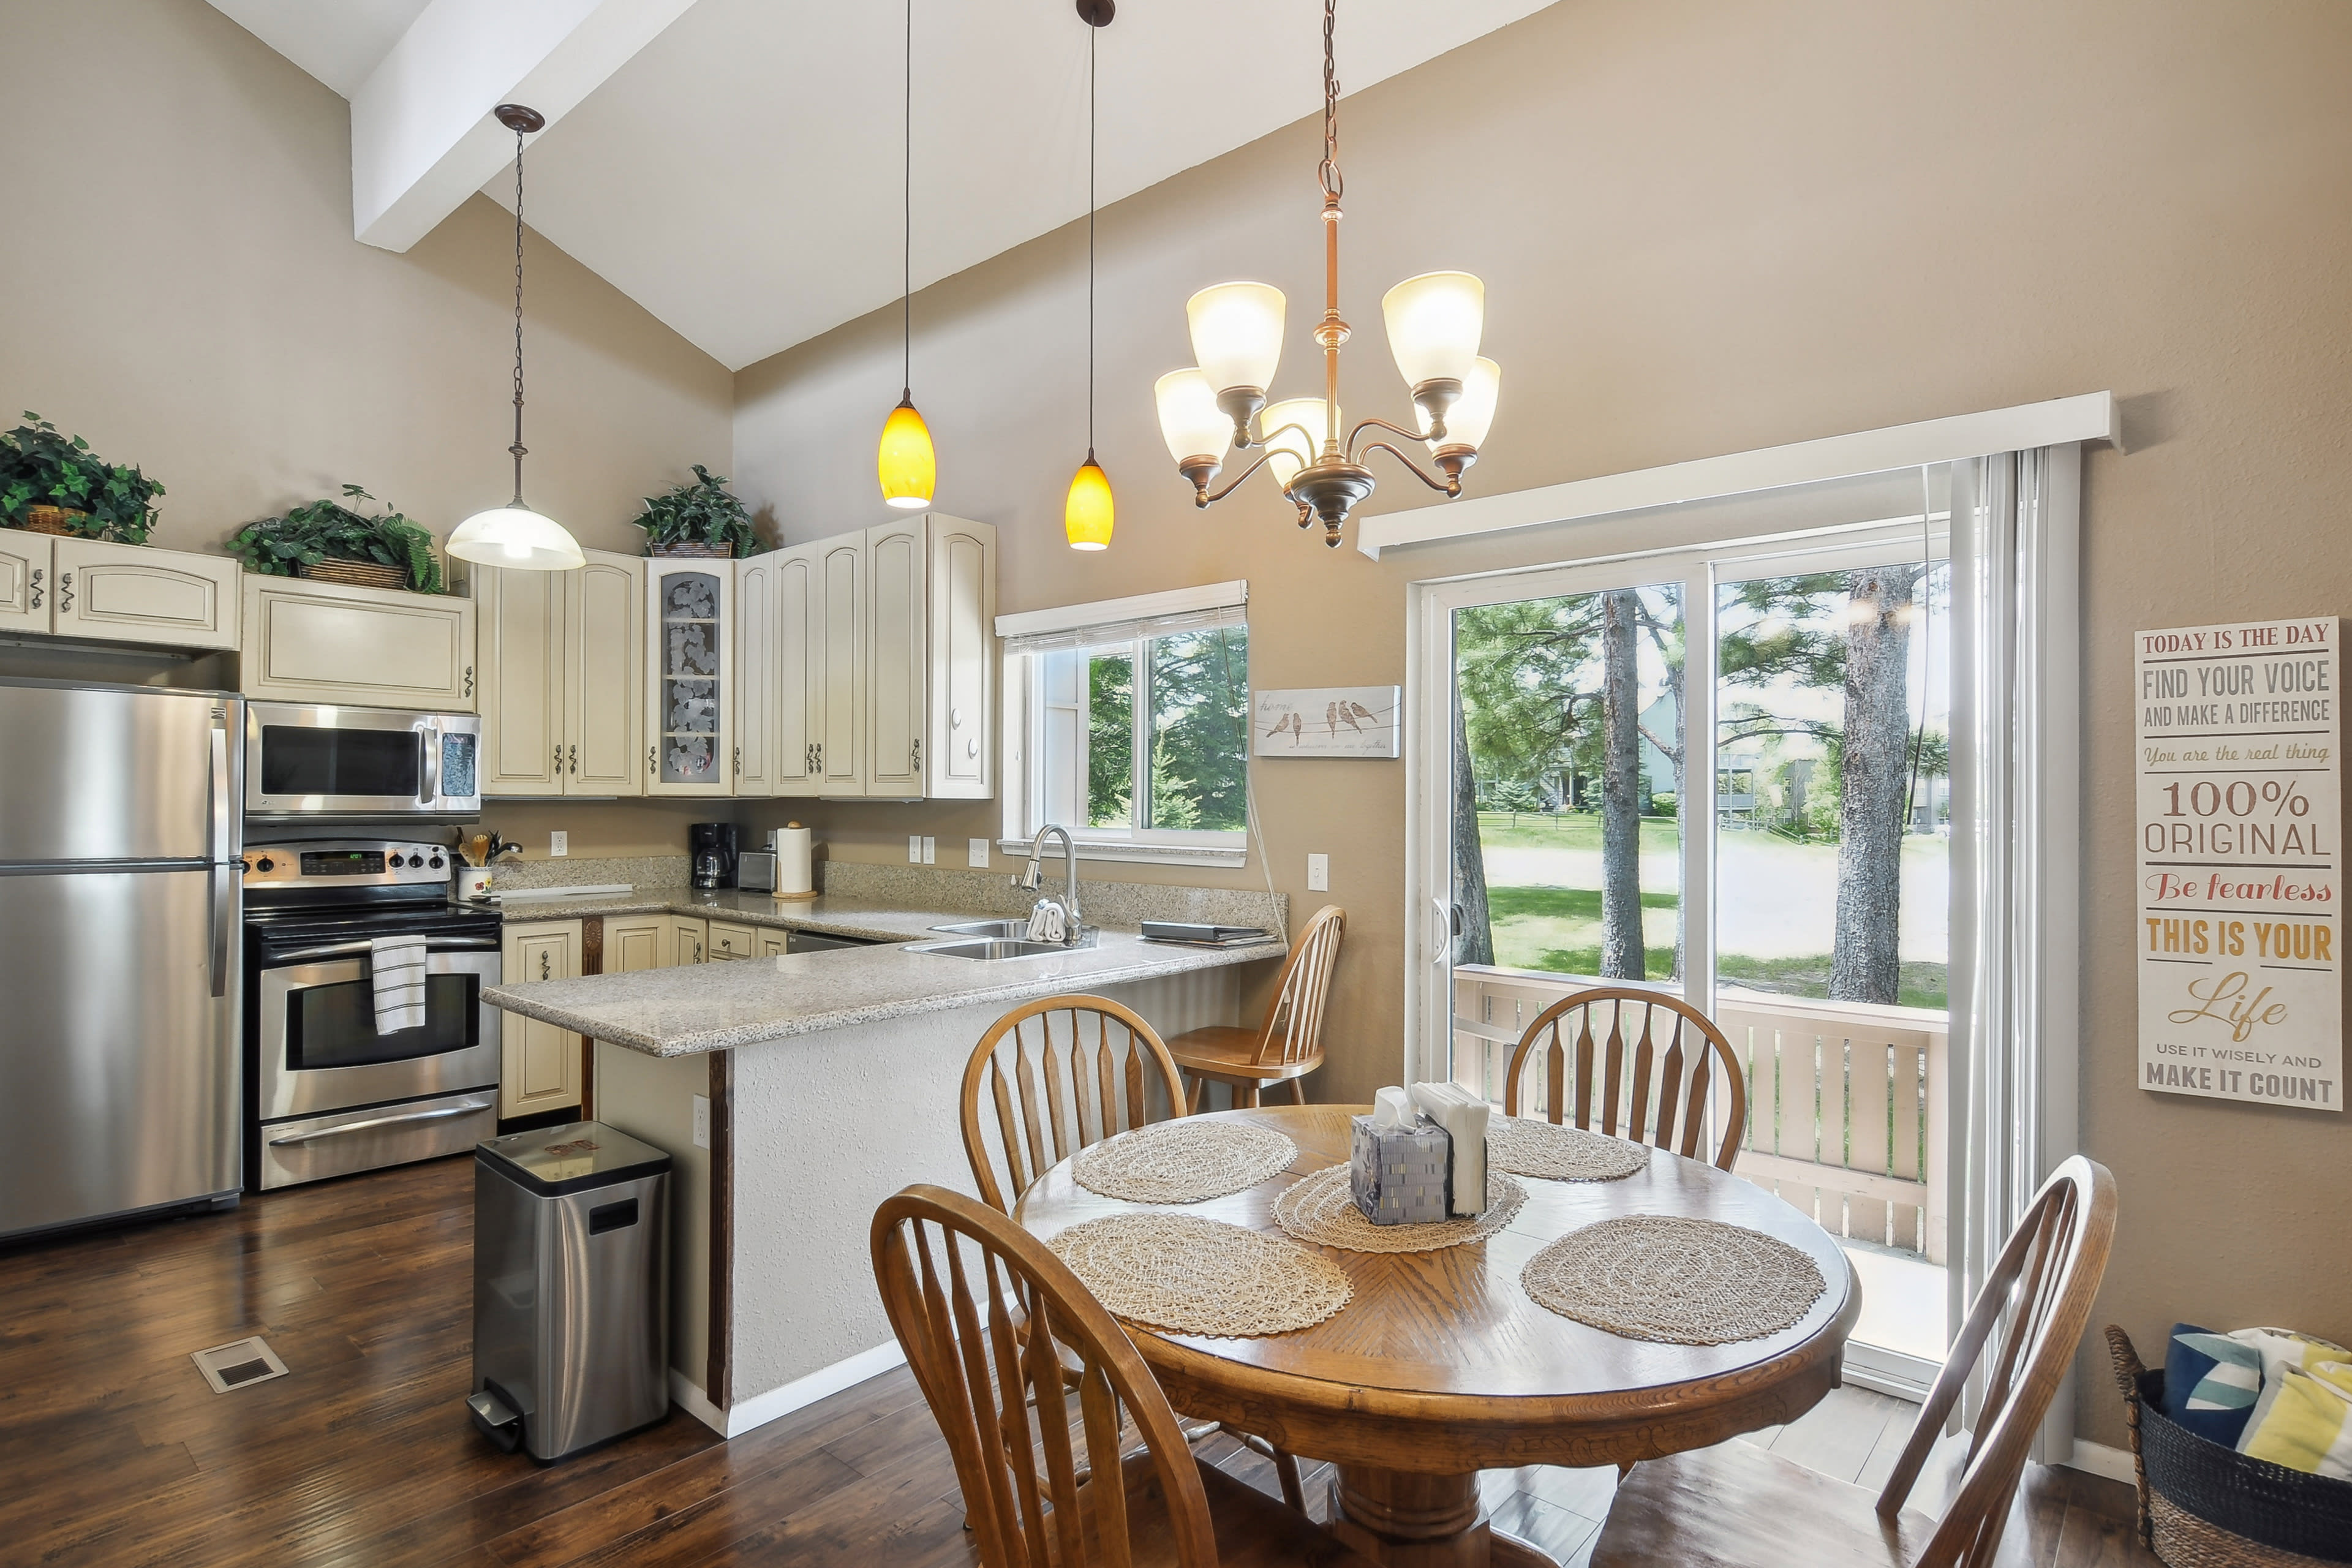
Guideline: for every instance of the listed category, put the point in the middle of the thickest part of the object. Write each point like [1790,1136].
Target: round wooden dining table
[1441,1365]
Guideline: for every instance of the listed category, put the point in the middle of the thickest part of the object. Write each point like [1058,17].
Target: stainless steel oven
[320,759]
[330,1094]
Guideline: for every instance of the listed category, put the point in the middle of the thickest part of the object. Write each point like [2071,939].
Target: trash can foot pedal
[499,1424]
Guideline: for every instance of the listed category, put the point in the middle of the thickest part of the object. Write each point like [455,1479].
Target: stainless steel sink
[1019,927]
[990,949]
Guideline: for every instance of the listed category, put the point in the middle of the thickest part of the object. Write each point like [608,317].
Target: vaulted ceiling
[734,166]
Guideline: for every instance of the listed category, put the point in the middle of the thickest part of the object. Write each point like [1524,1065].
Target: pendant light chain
[1329,171]
[906,217]
[517,448]
[1091,113]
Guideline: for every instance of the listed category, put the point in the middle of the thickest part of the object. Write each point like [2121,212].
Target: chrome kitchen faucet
[1031,879]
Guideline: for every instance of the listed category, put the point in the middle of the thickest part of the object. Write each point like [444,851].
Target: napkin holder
[1397,1163]
[1463,1116]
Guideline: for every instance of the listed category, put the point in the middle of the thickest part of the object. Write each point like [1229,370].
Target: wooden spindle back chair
[1051,1078]
[1287,1044]
[1762,1511]
[990,1319]
[1647,1073]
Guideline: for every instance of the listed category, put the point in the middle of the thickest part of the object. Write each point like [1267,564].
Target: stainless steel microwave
[309,761]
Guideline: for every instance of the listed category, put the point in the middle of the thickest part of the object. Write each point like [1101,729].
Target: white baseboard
[2098,1459]
[761,1408]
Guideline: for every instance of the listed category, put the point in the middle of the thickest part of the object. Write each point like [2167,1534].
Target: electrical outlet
[914,850]
[930,850]
[701,1120]
[975,854]
[559,844]
[1319,873]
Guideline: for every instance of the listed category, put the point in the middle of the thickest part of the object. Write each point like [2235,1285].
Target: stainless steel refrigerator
[120,991]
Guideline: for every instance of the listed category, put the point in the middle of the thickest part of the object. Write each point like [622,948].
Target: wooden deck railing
[1847,1103]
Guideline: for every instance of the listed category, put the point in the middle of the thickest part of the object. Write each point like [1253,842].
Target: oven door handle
[441,1114]
[362,948]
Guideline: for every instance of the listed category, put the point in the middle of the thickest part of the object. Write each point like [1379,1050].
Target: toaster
[755,871]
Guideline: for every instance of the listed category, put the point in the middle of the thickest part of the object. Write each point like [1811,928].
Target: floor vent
[240,1363]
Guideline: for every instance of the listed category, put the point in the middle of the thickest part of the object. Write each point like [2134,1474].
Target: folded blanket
[398,962]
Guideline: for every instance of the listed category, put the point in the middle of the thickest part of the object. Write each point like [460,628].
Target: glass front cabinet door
[690,691]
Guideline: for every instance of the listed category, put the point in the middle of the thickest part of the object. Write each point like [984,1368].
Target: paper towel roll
[794,873]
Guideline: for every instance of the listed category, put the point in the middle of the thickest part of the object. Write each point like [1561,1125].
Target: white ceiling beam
[422,137]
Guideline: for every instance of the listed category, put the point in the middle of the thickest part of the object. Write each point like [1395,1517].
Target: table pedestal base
[1408,1520]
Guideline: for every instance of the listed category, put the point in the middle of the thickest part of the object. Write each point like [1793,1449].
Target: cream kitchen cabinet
[633,943]
[761,671]
[689,939]
[562,691]
[539,1064]
[322,642]
[774,943]
[690,677]
[894,630]
[730,940]
[117,593]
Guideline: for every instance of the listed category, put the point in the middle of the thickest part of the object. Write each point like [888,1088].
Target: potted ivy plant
[328,541]
[52,483]
[701,518]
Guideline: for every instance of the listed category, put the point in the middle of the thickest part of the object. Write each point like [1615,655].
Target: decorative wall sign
[2240,968]
[1327,721]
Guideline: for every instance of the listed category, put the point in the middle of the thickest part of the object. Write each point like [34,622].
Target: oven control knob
[267,864]
[437,862]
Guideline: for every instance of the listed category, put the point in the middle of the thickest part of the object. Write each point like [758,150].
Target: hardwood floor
[117,1454]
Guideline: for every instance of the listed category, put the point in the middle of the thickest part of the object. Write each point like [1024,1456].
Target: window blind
[1098,633]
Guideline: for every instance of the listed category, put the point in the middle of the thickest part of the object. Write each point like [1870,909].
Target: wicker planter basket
[56,519]
[694,550]
[358,573]
[2205,1505]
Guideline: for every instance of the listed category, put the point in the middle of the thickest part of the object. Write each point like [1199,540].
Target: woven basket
[358,573]
[693,549]
[57,519]
[2205,1505]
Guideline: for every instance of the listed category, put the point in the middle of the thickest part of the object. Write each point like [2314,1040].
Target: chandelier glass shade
[1087,512]
[1434,323]
[514,536]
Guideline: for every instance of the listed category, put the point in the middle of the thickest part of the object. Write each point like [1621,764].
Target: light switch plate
[701,1120]
[1319,873]
[930,850]
[975,854]
[559,844]
[914,850]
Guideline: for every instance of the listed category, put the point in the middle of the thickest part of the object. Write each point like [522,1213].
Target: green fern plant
[704,512]
[327,530]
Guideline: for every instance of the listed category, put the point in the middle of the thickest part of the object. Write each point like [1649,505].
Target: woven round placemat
[1675,1281]
[1186,1161]
[1195,1276]
[1526,1146]
[1320,1209]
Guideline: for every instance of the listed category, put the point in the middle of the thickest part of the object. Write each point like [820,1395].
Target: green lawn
[1557,930]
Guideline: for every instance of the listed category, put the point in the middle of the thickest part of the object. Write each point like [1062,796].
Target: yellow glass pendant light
[1087,512]
[905,461]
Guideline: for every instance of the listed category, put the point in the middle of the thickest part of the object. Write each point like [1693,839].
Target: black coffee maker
[711,846]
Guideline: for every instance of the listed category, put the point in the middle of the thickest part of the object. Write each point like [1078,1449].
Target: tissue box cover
[1397,1174]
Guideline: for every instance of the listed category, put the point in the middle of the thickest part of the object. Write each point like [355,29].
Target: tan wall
[1706,228]
[179,283]
[601,827]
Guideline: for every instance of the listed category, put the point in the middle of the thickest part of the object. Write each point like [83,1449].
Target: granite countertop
[825,914]
[718,1006]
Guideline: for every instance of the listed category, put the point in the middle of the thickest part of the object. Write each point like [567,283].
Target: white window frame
[1131,622]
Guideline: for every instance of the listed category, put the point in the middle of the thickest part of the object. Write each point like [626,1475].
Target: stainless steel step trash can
[571,1288]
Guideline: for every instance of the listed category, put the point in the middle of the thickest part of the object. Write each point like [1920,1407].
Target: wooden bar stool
[1651,1086]
[1739,1505]
[994,1325]
[1289,1043]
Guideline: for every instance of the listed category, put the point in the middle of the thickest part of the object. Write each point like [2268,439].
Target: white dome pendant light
[513,535]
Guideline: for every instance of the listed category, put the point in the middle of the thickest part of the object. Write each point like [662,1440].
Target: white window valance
[1119,620]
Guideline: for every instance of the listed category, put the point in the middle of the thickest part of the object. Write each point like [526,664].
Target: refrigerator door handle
[223,796]
[224,922]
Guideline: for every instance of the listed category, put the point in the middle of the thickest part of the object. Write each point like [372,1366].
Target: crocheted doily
[1186,1161]
[1675,1281]
[1195,1276]
[1319,1209]
[1528,1146]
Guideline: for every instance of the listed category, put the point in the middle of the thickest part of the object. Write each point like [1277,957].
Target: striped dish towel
[399,966]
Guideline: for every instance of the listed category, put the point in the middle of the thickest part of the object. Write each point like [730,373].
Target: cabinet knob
[65,585]
[575,759]
[558,763]
[543,963]
[649,762]
[955,718]
[972,748]
[470,680]
[37,587]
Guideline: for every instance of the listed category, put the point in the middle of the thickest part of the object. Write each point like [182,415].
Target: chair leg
[1200,1094]
[1285,1470]
[1298,1091]
[1246,1096]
